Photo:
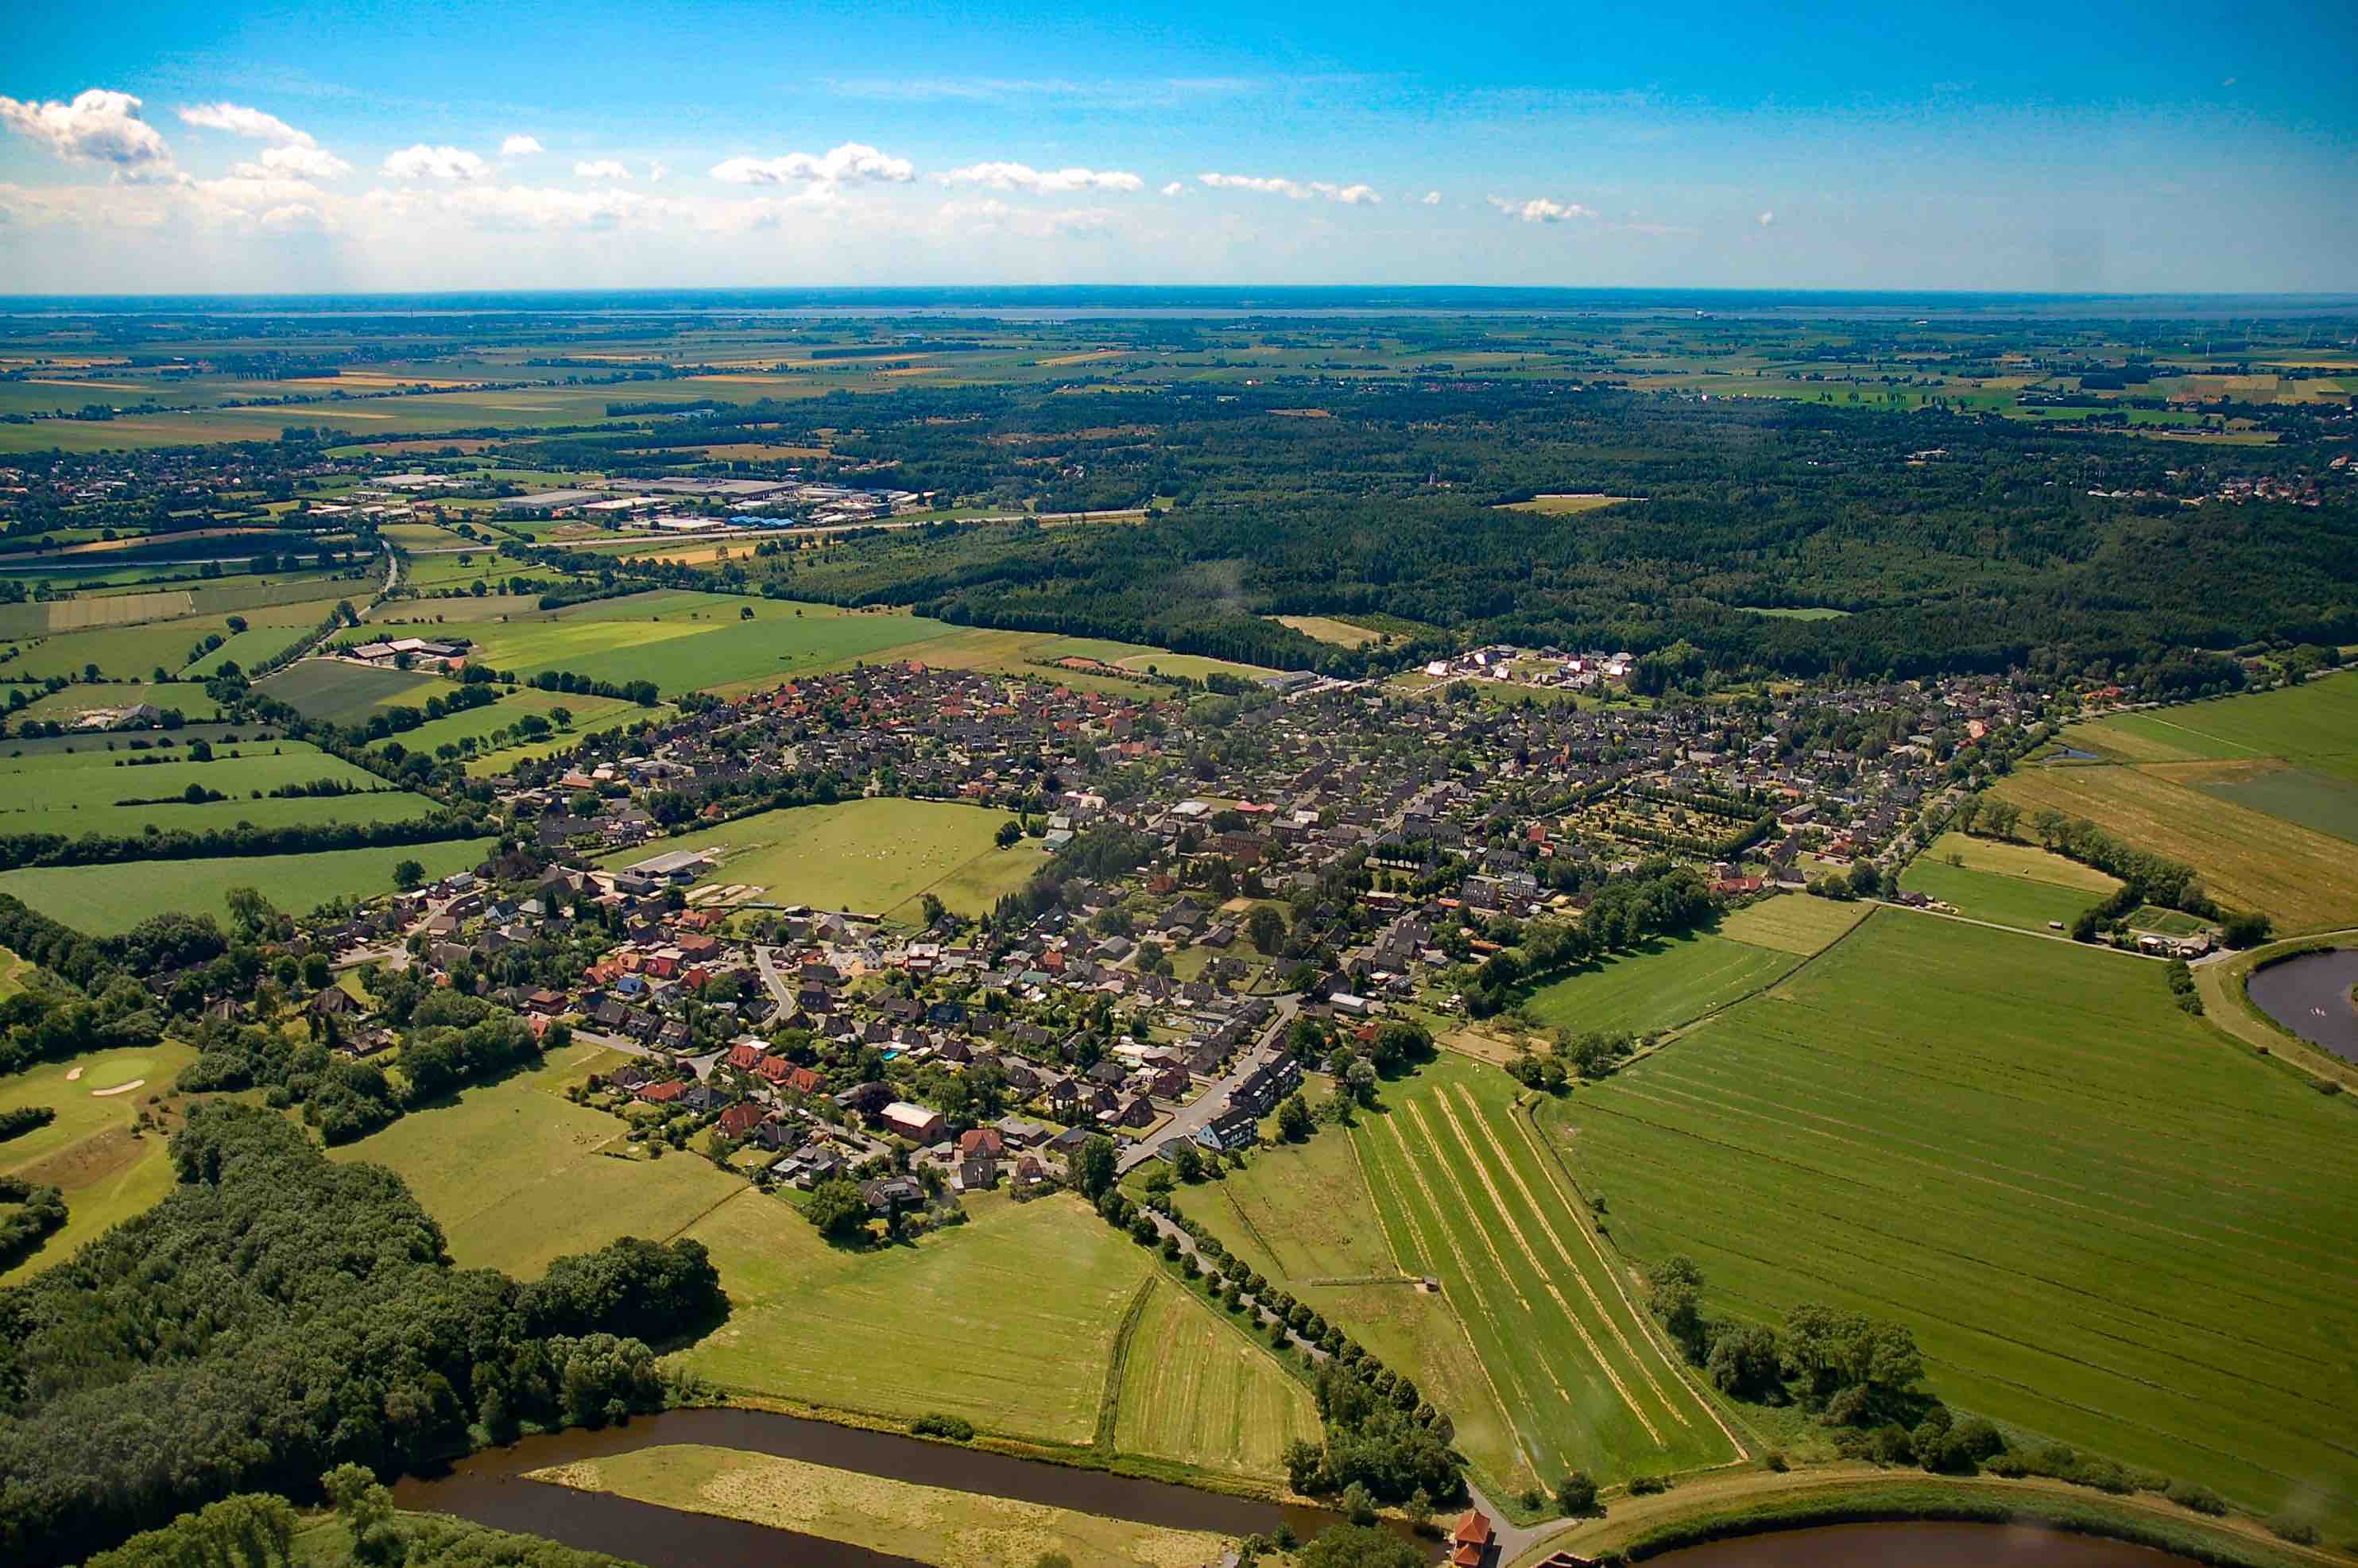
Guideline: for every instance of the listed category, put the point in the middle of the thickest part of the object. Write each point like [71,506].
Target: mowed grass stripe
[1972,1133]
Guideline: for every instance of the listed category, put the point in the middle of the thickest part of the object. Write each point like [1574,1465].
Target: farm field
[1198,1389]
[2313,725]
[477,724]
[872,857]
[1792,922]
[122,652]
[81,792]
[106,901]
[1660,985]
[333,691]
[1567,505]
[519,1176]
[1467,1194]
[107,1172]
[1327,629]
[2104,1225]
[904,1519]
[2300,878]
[688,642]
[1302,1215]
[2027,903]
[69,704]
[1008,1319]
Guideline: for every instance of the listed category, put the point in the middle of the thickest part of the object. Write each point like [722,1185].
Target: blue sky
[270,146]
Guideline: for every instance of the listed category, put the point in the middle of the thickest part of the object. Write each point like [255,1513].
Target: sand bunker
[117,1089]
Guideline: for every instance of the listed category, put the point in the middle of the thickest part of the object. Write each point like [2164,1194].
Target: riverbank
[2223,985]
[1728,1505]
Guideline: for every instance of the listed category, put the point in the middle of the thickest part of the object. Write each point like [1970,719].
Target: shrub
[2201,1499]
[2292,1528]
[1646,1485]
[956,1428]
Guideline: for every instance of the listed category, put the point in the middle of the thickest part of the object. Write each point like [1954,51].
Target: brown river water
[1921,1545]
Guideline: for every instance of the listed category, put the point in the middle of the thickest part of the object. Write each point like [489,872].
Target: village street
[1191,1118]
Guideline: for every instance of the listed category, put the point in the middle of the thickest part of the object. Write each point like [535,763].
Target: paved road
[766,960]
[1190,1119]
[700,1065]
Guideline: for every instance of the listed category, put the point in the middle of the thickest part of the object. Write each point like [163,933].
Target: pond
[2310,996]
[1920,1544]
[489,1488]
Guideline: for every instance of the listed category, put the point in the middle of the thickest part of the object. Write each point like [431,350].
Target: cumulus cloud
[853,162]
[1175,188]
[601,168]
[1541,210]
[1293,191]
[1023,177]
[516,207]
[422,162]
[521,147]
[1432,199]
[298,162]
[98,126]
[240,121]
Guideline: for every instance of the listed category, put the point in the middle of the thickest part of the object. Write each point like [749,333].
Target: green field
[478,724]
[924,1524]
[1198,1389]
[2103,1224]
[686,642]
[107,1171]
[2312,726]
[1008,1319]
[518,1175]
[872,857]
[121,653]
[2020,902]
[1658,986]
[1467,1194]
[68,704]
[80,792]
[106,901]
[330,691]
[1792,922]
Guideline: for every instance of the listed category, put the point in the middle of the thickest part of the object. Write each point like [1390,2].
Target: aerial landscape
[1613,818]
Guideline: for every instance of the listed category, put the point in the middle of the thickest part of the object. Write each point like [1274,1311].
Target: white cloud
[422,162]
[240,121]
[1023,177]
[302,162]
[1767,219]
[518,207]
[1175,188]
[1432,199]
[1541,210]
[521,147]
[990,215]
[1293,191]
[657,170]
[852,162]
[99,126]
[601,168]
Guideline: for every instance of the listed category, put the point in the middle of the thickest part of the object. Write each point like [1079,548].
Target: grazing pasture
[1660,985]
[872,857]
[1792,922]
[1469,1194]
[518,1175]
[106,901]
[2104,1223]
[87,790]
[903,1519]
[335,691]
[2013,885]
[108,1170]
[688,641]
[1008,1319]
[1198,1389]
[2313,725]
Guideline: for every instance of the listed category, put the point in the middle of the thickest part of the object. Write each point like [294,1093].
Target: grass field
[2013,885]
[1327,629]
[79,791]
[1792,922]
[1008,1319]
[2303,879]
[477,724]
[519,1176]
[1567,505]
[122,652]
[330,691]
[1467,1194]
[2104,1223]
[106,901]
[1198,1389]
[2312,726]
[926,1524]
[69,704]
[686,642]
[1661,984]
[108,1172]
[872,857]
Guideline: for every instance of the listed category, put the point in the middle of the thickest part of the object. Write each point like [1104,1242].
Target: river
[2310,996]
[1921,1545]
[489,1487]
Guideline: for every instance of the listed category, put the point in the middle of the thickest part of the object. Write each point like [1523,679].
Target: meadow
[84,791]
[688,642]
[1791,922]
[1198,1389]
[1008,1319]
[872,857]
[478,724]
[69,704]
[2313,725]
[904,1519]
[108,1170]
[1657,986]
[120,652]
[106,901]
[333,691]
[2103,1224]
[518,1175]
[2013,885]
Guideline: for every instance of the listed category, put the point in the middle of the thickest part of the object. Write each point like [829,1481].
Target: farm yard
[1008,1319]
[1202,1391]
[2104,1225]
[883,853]
[109,899]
